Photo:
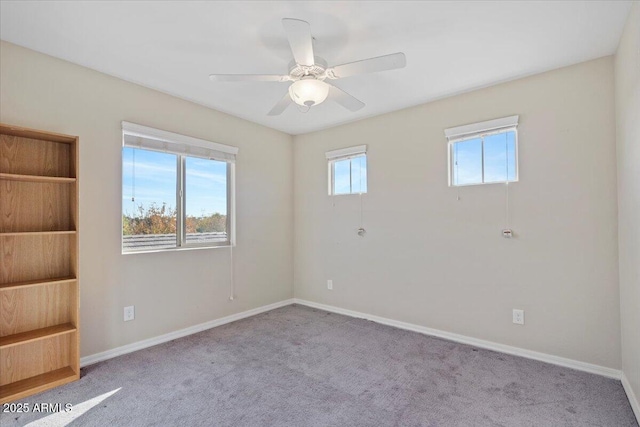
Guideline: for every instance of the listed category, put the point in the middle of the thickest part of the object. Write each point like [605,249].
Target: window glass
[467,162]
[342,176]
[486,159]
[350,176]
[205,200]
[359,174]
[499,157]
[149,211]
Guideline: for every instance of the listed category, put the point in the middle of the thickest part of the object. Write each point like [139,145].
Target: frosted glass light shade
[308,92]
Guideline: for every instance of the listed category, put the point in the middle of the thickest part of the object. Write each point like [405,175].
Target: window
[483,153]
[348,170]
[176,191]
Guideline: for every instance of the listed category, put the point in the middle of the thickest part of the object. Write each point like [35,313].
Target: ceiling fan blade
[371,65]
[248,78]
[343,98]
[299,35]
[281,105]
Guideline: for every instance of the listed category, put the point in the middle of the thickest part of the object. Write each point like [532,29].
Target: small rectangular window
[347,171]
[176,191]
[483,153]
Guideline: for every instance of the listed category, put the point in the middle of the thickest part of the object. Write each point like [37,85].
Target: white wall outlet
[518,317]
[330,285]
[129,313]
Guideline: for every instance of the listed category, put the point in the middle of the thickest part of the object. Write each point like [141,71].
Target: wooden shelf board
[40,282]
[37,178]
[42,382]
[36,134]
[36,233]
[37,334]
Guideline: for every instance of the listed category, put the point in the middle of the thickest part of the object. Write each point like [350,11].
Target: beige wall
[431,260]
[427,258]
[627,85]
[170,290]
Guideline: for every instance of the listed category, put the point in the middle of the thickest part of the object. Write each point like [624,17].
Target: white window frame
[345,154]
[481,130]
[182,146]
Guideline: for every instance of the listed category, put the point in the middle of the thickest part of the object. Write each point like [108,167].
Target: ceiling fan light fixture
[309,92]
[308,72]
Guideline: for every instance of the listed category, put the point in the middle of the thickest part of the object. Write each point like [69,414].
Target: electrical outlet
[518,317]
[330,285]
[129,313]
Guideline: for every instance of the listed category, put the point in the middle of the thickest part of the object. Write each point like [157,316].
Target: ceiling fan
[310,73]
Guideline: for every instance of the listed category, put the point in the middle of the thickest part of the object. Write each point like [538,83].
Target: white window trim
[481,130]
[346,153]
[147,138]
[468,131]
[138,136]
[343,154]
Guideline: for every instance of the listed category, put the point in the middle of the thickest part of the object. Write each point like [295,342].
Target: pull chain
[133,174]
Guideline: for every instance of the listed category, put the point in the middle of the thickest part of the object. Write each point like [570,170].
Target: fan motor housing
[317,70]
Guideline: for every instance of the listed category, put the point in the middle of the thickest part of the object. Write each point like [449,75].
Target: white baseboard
[129,348]
[502,348]
[516,351]
[633,400]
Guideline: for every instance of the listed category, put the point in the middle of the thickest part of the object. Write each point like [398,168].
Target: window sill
[348,194]
[482,183]
[179,249]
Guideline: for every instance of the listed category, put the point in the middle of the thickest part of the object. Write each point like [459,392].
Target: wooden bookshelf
[39,286]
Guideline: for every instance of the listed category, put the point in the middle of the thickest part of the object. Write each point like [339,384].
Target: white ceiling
[451,47]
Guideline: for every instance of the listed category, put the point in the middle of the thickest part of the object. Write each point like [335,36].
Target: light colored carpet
[298,366]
